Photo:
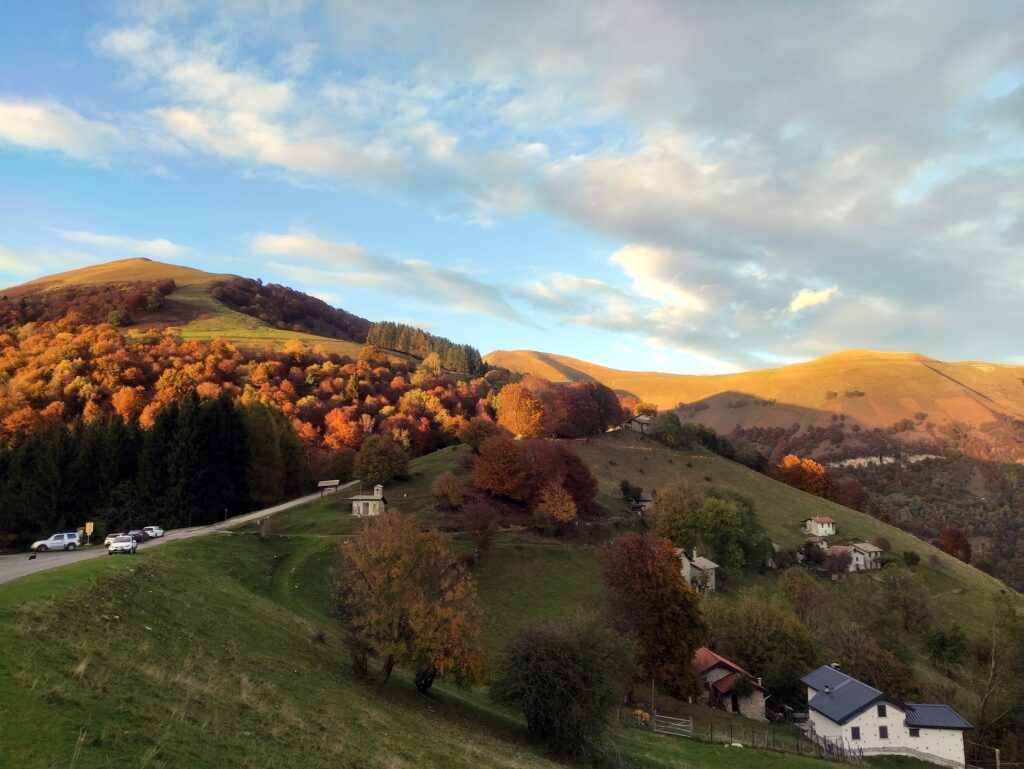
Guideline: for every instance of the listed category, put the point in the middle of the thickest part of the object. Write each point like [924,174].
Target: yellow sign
[88,528]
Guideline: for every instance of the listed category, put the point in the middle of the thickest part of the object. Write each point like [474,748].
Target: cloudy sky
[692,187]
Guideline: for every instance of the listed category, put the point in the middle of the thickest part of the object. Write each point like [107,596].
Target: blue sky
[690,187]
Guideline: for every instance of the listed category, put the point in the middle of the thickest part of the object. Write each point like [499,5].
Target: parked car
[66,541]
[153,531]
[123,544]
[111,537]
[138,535]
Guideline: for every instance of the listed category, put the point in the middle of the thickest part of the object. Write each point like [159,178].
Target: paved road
[13,567]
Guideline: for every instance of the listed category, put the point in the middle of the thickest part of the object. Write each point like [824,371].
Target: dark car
[138,535]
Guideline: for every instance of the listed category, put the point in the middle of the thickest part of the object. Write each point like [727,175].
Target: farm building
[698,571]
[727,686]
[860,719]
[643,504]
[820,526]
[369,504]
[863,555]
[641,423]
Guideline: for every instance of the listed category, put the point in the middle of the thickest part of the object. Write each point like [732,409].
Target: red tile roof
[822,519]
[704,660]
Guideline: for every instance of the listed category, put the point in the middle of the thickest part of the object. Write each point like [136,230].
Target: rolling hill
[910,397]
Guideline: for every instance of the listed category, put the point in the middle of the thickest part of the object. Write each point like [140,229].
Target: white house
[864,556]
[820,526]
[699,572]
[641,423]
[847,714]
[369,504]
[727,686]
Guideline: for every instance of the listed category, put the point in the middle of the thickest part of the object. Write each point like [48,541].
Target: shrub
[447,491]
[910,558]
[565,679]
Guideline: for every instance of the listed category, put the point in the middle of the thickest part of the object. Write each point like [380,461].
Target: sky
[691,187]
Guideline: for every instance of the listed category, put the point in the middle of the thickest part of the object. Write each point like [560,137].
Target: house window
[883,732]
[855,733]
[915,732]
[881,711]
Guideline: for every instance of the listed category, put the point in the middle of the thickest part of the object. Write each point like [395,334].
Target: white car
[111,537]
[66,541]
[153,531]
[123,544]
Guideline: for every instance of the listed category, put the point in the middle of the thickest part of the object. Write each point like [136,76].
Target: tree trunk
[424,678]
[385,673]
[360,657]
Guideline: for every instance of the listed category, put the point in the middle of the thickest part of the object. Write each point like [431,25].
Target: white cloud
[807,297]
[13,263]
[45,124]
[157,247]
[17,265]
[347,262]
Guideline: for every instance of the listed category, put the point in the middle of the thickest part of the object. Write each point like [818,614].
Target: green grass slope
[220,652]
[958,589]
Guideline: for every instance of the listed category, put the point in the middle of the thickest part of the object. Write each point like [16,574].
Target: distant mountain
[834,407]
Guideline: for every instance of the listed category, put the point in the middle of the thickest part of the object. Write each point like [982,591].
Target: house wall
[945,745]
[752,706]
[362,508]
[709,579]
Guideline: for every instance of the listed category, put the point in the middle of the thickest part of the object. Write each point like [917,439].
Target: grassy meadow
[222,651]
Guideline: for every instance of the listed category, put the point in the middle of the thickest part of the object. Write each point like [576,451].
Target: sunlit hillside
[867,388]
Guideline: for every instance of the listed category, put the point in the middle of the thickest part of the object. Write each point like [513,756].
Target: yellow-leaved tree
[405,600]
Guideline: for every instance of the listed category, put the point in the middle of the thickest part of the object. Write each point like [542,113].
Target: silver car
[66,541]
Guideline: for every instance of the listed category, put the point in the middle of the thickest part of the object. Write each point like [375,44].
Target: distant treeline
[417,342]
[203,460]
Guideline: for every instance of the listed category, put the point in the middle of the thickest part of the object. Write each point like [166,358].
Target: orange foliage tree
[500,469]
[555,507]
[520,411]
[955,542]
[652,605]
[805,474]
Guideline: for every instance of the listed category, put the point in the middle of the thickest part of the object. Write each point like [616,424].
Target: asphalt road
[14,567]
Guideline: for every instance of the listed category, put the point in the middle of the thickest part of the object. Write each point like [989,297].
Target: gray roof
[935,717]
[839,697]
